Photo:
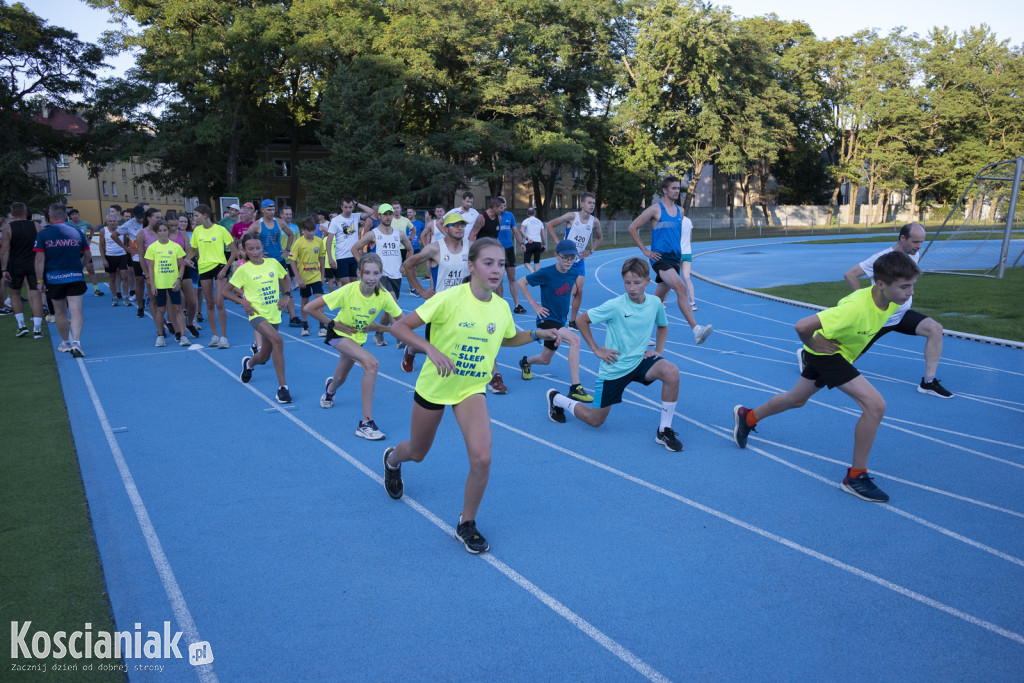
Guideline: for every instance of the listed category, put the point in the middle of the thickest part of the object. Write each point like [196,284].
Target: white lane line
[156,551]
[623,654]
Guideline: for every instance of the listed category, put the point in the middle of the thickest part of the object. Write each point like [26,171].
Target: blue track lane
[612,559]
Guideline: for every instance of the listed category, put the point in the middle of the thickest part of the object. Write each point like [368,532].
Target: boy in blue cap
[557,283]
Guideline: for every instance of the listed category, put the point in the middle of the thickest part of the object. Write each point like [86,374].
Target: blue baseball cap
[267,203]
[566,248]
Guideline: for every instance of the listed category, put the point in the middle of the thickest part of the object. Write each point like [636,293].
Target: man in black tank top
[18,264]
[488,223]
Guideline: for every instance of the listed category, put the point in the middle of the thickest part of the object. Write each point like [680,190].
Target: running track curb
[945,332]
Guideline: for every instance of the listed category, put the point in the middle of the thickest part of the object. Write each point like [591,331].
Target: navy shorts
[608,392]
[163,294]
[347,267]
[307,291]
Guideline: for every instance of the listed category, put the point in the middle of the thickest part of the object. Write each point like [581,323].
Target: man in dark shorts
[19,268]
[58,265]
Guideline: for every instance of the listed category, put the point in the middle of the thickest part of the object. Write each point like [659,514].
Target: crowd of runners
[341,273]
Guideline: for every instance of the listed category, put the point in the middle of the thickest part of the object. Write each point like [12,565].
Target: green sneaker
[578,393]
[525,367]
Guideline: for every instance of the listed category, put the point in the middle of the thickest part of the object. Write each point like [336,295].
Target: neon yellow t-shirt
[306,254]
[262,287]
[853,322]
[211,243]
[165,263]
[357,310]
[470,332]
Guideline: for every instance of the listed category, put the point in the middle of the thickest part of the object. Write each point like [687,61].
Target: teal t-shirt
[629,328]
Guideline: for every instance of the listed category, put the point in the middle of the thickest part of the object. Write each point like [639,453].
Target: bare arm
[649,214]
[363,241]
[476,227]
[807,328]
[853,276]
[583,323]
[552,224]
[598,236]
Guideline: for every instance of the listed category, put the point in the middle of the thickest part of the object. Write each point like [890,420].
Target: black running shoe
[392,477]
[193,330]
[200,318]
[283,396]
[933,388]
[471,538]
[246,375]
[255,349]
[170,328]
[572,325]
[22,331]
[141,313]
[864,488]
[667,438]
[555,413]
[519,310]
[741,430]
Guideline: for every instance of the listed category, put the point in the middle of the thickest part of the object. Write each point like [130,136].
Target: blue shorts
[608,392]
[581,267]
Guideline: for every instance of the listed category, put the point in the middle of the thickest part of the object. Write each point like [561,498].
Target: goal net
[984,233]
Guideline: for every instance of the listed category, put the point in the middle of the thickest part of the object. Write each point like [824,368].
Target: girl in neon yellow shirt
[265,284]
[468,324]
[165,262]
[358,304]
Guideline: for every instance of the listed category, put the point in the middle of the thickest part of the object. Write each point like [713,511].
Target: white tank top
[579,232]
[451,268]
[389,248]
[111,245]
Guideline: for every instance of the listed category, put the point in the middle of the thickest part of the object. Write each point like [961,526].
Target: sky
[827,19]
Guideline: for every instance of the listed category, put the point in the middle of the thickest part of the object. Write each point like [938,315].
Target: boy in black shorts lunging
[833,339]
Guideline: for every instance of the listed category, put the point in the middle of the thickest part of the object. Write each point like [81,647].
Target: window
[105,191]
[282,168]
[151,193]
[63,187]
[124,176]
[113,188]
[62,161]
[135,191]
[133,167]
[147,168]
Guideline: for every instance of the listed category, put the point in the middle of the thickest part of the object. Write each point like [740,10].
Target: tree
[40,65]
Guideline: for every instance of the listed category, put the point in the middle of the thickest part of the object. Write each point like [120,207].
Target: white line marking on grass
[884,583]
[623,654]
[156,551]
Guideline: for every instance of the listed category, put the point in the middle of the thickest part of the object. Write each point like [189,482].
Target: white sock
[37,323]
[667,408]
[20,317]
[565,402]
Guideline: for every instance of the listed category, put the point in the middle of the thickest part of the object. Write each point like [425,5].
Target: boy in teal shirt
[832,340]
[624,355]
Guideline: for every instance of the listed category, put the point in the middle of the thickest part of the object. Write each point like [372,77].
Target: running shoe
[578,393]
[800,360]
[214,340]
[22,331]
[701,333]
[933,388]
[193,330]
[471,538]
[323,330]
[296,321]
[519,310]
[305,331]
[51,318]
[407,359]
[572,325]
[76,350]
[200,318]
[401,344]
[170,328]
[115,302]
[378,338]
[64,347]
[693,305]
[525,367]
[554,412]
[496,386]
[97,292]
[6,310]
[369,431]
[131,297]
[141,313]
[223,343]
[183,341]
[37,334]
[283,396]
[741,430]
[255,349]
[667,438]
[246,374]
[161,341]
[864,488]
[392,477]
[327,400]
